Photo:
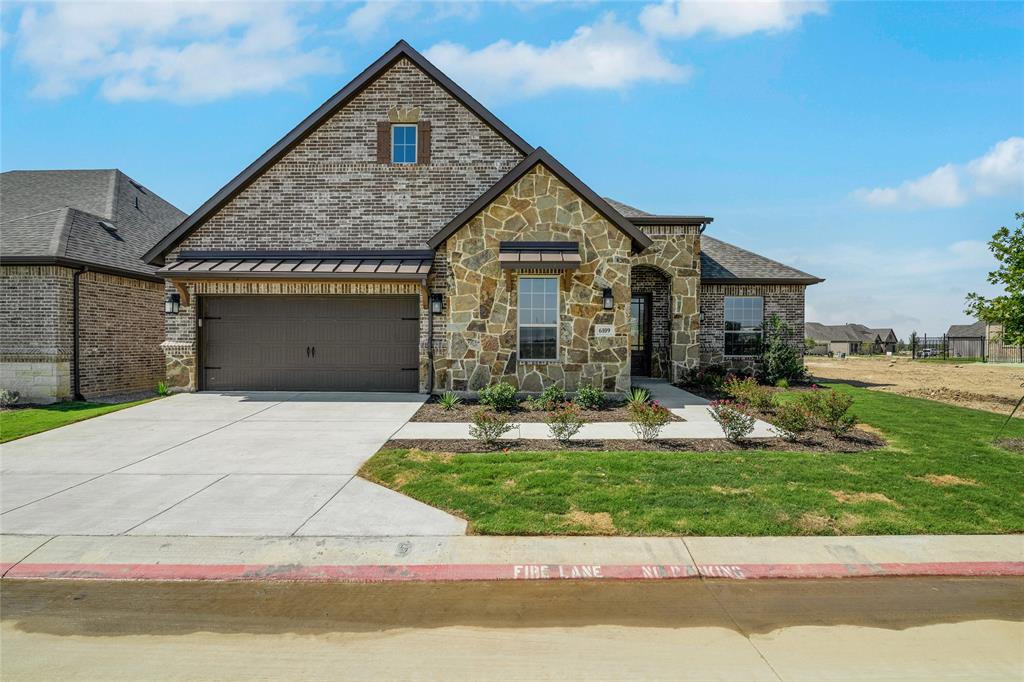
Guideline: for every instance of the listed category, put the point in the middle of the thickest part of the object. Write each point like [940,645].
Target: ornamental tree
[1007,309]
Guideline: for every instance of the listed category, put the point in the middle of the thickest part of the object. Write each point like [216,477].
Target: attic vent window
[108,227]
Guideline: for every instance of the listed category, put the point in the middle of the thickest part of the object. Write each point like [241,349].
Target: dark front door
[640,335]
[310,343]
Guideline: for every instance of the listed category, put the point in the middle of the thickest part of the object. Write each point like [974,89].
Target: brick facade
[121,322]
[784,300]
[658,286]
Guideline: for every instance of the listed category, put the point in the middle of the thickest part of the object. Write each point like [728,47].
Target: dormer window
[403,143]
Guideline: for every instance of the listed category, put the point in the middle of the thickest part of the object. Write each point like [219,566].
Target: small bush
[748,392]
[791,420]
[448,401]
[8,397]
[647,419]
[637,396]
[590,398]
[830,409]
[780,359]
[782,383]
[551,397]
[500,396]
[565,421]
[161,388]
[488,426]
[736,424]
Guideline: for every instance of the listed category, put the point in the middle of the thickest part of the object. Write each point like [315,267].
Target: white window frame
[726,332]
[557,324]
[415,144]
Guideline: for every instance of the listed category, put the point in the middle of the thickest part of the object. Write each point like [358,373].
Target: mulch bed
[856,441]
[431,411]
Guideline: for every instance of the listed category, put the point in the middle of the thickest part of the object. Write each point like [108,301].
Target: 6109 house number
[604,330]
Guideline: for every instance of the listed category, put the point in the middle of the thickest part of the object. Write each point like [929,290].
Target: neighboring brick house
[403,238]
[851,338]
[80,313]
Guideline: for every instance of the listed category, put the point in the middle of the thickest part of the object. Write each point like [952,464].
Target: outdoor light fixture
[172,304]
[436,303]
[609,300]
[702,317]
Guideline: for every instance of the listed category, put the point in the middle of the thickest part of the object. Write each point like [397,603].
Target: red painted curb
[464,572]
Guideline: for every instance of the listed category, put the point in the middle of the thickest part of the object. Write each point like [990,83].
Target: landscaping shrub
[782,383]
[551,397]
[590,398]
[748,392]
[780,359]
[736,424]
[648,418]
[830,409]
[449,400]
[161,388]
[565,421]
[791,420]
[637,396]
[500,396]
[488,426]
[8,397]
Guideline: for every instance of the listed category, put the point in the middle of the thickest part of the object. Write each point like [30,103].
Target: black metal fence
[960,347]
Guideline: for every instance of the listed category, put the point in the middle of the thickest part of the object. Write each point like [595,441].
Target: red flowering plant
[736,424]
[648,419]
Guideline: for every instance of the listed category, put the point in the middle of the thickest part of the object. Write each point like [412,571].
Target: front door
[640,335]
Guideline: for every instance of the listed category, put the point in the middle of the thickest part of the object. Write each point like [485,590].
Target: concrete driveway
[260,464]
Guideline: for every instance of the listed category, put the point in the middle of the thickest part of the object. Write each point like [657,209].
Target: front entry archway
[650,322]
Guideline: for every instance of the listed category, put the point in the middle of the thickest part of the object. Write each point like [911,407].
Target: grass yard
[25,421]
[940,474]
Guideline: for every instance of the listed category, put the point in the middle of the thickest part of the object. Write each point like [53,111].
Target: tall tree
[1007,309]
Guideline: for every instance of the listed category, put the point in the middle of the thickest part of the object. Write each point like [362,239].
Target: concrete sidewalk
[380,559]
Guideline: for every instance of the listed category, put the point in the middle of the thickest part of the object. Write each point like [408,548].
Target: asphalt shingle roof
[823,333]
[967,330]
[722,262]
[58,214]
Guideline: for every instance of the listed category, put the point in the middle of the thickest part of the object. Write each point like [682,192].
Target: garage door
[310,343]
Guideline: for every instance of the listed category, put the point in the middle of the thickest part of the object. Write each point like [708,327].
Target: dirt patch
[858,498]
[945,480]
[1012,444]
[992,387]
[819,524]
[855,441]
[431,411]
[599,523]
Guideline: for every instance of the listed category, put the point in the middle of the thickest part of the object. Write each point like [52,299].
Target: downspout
[430,342]
[76,385]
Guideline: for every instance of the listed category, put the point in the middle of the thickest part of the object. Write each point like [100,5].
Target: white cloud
[180,51]
[603,56]
[1000,171]
[364,22]
[682,18]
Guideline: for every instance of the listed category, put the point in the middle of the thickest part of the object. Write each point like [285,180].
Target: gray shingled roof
[974,330]
[721,263]
[625,209]
[857,333]
[57,215]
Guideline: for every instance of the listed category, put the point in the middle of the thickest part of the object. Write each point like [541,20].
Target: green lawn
[939,474]
[26,421]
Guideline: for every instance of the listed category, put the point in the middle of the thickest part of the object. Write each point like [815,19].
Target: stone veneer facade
[121,327]
[784,300]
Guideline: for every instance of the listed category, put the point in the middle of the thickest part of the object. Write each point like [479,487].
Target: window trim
[557,325]
[415,144]
[726,332]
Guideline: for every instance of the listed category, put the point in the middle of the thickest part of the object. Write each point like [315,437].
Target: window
[403,144]
[538,318]
[744,323]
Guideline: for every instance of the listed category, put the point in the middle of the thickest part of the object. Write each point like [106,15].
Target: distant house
[966,340]
[82,314]
[850,338]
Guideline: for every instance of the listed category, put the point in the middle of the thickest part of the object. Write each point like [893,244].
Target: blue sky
[877,145]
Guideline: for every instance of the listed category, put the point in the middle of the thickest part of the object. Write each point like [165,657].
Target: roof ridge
[32,215]
[59,240]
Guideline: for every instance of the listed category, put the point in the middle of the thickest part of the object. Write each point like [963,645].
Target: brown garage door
[310,343]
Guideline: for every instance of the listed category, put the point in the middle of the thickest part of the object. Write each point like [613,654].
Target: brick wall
[645,280]
[35,331]
[784,300]
[121,322]
[330,192]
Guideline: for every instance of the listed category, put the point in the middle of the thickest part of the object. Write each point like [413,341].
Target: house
[851,338]
[81,312]
[402,238]
[966,340]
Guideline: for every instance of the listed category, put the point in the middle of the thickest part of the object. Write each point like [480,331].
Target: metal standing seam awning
[539,255]
[300,265]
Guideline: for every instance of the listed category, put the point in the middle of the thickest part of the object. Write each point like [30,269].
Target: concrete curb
[490,572]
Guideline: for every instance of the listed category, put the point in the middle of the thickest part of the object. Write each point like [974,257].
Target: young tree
[1007,309]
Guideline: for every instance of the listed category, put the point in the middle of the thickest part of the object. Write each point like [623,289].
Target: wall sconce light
[702,317]
[609,300]
[436,303]
[172,304]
